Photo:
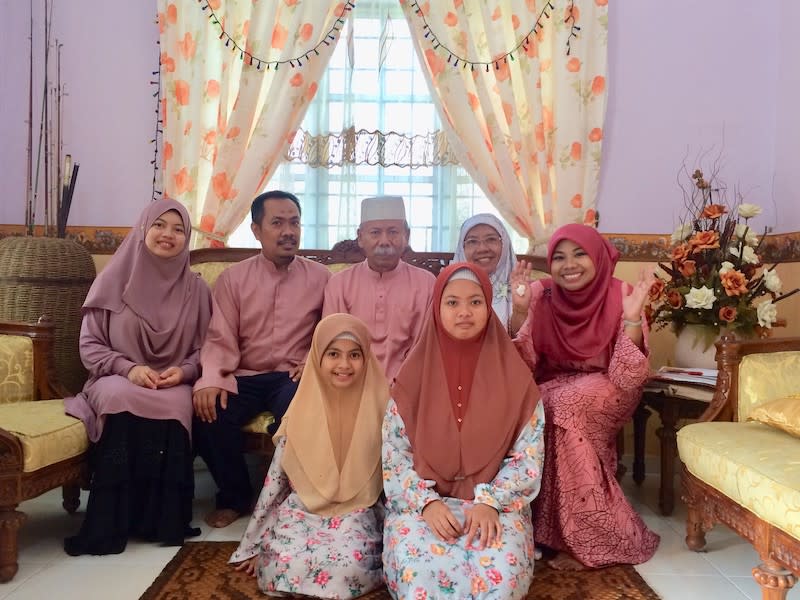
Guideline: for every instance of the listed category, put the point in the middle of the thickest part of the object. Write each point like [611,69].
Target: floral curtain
[521,88]
[236,79]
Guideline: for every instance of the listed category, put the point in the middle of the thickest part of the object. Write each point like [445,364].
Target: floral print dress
[418,565]
[303,553]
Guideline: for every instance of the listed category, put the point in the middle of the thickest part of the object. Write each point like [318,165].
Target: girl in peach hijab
[462,452]
[316,528]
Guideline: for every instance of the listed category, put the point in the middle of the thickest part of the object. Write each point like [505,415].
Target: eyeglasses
[491,241]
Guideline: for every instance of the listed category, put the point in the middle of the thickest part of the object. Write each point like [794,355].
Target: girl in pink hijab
[584,338]
[144,320]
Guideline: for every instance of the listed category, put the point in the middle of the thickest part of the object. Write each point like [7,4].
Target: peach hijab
[333,437]
[501,399]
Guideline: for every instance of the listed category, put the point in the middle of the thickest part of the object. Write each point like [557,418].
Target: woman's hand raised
[520,282]
[633,303]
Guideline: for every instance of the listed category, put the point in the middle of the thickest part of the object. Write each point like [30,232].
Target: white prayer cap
[383,208]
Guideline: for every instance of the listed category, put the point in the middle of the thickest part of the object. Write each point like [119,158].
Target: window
[385,94]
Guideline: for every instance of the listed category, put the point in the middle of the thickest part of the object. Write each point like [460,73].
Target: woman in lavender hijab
[484,242]
[144,320]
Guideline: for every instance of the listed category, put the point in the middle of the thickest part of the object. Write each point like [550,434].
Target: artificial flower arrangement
[715,277]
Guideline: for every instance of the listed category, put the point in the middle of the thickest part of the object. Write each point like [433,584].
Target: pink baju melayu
[392,304]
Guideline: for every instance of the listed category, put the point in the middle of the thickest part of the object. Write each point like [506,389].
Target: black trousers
[220,443]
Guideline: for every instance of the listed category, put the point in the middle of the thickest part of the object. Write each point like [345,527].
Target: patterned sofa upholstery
[746,474]
[41,448]
[210,262]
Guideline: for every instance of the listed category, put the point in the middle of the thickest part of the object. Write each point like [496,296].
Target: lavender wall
[109,50]
[787,122]
[684,76]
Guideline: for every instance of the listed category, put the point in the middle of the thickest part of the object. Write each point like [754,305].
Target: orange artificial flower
[680,253]
[590,217]
[515,22]
[172,14]
[215,4]
[502,73]
[207,223]
[450,19]
[181,92]
[657,289]
[576,151]
[601,2]
[704,240]
[595,135]
[573,65]
[210,137]
[713,211]
[674,299]
[577,201]
[296,80]
[233,133]
[598,85]
[687,268]
[473,101]
[497,13]
[576,13]
[727,314]
[734,282]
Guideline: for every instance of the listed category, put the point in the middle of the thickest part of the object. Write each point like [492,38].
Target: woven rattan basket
[48,276]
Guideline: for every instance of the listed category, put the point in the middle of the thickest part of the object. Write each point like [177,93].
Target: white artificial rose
[725,267]
[767,314]
[681,232]
[749,256]
[742,231]
[701,298]
[772,281]
[748,211]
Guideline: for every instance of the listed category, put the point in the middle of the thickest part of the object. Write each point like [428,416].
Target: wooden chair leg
[71,498]
[10,522]
[695,534]
[775,581]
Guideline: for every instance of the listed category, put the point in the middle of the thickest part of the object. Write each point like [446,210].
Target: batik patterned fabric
[417,564]
[303,553]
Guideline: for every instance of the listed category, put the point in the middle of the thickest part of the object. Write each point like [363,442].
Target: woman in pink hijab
[144,320]
[584,339]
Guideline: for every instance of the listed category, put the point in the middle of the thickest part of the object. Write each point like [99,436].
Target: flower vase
[695,347]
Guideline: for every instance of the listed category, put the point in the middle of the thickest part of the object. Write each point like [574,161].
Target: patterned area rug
[201,570]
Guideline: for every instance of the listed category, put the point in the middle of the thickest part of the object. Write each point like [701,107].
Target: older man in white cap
[389,295]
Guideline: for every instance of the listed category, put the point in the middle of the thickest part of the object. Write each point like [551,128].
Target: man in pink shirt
[389,295]
[265,309]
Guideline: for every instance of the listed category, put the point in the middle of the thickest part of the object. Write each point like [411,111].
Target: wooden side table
[672,402]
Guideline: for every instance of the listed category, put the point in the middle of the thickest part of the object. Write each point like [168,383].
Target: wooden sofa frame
[17,486]
[779,551]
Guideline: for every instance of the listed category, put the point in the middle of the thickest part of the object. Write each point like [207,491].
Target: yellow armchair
[41,448]
[745,473]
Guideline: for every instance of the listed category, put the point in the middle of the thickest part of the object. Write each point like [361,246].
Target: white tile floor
[723,572]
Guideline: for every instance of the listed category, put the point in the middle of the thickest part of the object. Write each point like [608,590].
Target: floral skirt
[418,565]
[324,557]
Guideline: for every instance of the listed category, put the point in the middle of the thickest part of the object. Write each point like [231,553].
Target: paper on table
[697,376]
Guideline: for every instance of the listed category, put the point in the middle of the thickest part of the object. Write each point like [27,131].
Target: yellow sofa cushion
[765,377]
[754,465]
[16,368]
[48,435]
[783,413]
[260,423]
